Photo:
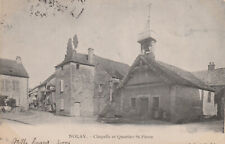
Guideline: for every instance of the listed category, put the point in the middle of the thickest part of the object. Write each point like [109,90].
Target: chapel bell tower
[146,40]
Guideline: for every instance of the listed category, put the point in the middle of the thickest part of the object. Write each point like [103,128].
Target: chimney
[211,66]
[18,60]
[90,55]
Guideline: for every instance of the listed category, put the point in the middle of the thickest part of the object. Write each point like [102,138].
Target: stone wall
[176,103]
[78,87]
[101,90]
[188,105]
[82,88]
[63,98]
[163,92]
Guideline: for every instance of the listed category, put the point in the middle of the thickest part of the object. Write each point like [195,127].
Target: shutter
[61,86]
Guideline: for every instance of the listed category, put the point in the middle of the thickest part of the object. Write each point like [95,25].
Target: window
[100,88]
[2,84]
[62,104]
[156,102]
[61,86]
[7,85]
[15,85]
[209,97]
[77,66]
[133,102]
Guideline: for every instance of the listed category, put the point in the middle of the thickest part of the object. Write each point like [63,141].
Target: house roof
[47,80]
[171,73]
[113,68]
[44,82]
[77,58]
[12,68]
[214,77]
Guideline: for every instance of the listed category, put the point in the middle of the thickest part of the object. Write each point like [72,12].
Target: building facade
[42,97]
[84,83]
[14,82]
[215,77]
[156,90]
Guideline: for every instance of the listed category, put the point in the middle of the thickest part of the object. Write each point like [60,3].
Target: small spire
[148,20]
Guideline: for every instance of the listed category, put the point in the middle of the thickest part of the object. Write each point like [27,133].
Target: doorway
[75,109]
[144,106]
[155,107]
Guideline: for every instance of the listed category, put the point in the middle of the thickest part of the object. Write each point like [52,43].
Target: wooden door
[76,109]
[144,106]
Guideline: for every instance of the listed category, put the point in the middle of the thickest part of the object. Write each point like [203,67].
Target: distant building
[44,94]
[14,81]
[32,97]
[216,79]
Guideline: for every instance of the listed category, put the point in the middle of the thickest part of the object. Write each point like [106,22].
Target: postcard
[112,71]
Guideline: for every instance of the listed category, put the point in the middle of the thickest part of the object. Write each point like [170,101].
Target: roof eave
[15,75]
[64,63]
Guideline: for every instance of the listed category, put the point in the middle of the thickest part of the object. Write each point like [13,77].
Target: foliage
[44,8]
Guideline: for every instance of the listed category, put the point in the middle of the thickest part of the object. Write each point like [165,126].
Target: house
[220,100]
[155,90]
[45,94]
[215,77]
[32,98]
[14,82]
[85,83]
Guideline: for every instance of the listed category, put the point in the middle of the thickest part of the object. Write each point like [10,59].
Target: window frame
[133,102]
[77,66]
[61,86]
[158,102]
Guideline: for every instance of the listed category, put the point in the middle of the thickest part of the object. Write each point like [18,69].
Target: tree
[44,8]
[69,52]
[75,41]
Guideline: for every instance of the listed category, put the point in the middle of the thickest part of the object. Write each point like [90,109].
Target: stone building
[85,83]
[215,77]
[14,81]
[156,90]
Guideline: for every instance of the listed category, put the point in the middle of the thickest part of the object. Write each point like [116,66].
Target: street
[32,117]
[44,125]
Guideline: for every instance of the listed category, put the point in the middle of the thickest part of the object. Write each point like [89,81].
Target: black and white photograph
[112,71]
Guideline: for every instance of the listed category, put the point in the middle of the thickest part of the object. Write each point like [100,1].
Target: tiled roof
[173,73]
[113,68]
[47,80]
[12,68]
[214,77]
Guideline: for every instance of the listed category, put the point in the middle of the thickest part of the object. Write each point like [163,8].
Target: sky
[189,33]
